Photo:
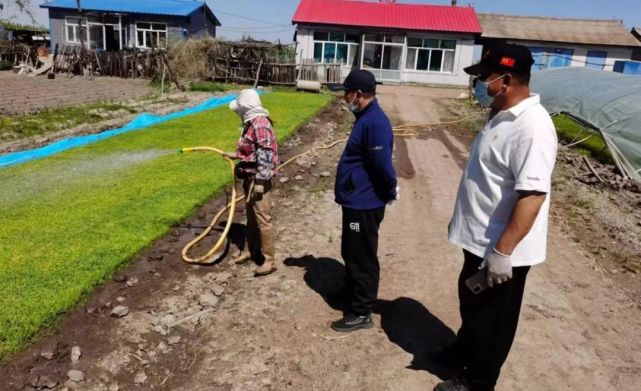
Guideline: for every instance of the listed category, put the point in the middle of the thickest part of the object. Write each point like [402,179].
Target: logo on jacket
[355,227]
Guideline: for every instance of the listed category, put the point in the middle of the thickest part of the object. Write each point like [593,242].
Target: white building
[411,43]
[557,42]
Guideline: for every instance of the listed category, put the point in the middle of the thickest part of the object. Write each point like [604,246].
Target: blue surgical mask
[481,94]
[354,107]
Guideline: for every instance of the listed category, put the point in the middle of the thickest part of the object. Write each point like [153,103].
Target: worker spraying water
[257,156]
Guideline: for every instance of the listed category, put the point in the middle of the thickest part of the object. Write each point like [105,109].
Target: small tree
[22,5]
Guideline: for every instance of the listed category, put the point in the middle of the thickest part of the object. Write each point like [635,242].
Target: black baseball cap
[357,80]
[503,57]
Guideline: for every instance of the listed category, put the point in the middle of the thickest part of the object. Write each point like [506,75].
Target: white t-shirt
[516,150]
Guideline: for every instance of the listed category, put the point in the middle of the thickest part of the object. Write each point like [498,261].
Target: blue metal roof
[157,7]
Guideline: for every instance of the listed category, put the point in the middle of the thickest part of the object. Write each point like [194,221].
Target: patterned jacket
[257,149]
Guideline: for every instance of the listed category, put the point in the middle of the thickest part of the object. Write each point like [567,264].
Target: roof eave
[115,12]
[210,12]
[627,45]
[294,22]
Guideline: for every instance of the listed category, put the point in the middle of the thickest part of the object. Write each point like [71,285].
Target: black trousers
[359,247]
[489,324]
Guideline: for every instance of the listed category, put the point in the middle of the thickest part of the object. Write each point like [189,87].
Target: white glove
[499,268]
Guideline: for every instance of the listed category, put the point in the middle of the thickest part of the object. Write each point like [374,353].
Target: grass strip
[570,132]
[69,221]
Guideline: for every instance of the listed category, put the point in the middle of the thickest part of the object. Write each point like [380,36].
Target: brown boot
[242,258]
[262,211]
[265,269]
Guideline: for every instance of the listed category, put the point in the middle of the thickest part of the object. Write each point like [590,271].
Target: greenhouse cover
[605,102]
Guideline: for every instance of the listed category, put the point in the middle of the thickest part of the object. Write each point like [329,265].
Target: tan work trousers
[259,233]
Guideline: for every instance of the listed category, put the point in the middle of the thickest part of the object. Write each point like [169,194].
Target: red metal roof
[388,15]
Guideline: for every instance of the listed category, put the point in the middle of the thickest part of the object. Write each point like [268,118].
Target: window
[73,29]
[96,36]
[330,47]
[561,58]
[96,33]
[434,55]
[596,59]
[151,35]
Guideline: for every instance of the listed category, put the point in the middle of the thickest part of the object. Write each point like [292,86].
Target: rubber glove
[499,268]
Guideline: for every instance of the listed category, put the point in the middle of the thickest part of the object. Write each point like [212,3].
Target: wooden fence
[274,64]
[246,61]
[242,62]
[130,63]
[324,73]
[14,52]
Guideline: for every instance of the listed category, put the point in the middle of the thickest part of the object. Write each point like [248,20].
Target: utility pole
[82,42]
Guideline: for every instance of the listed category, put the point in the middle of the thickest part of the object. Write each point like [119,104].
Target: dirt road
[578,331]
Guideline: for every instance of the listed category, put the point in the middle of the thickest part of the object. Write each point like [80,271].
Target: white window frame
[429,56]
[350,46]
[144,36]
[384,43]
[72,21]
[104,34]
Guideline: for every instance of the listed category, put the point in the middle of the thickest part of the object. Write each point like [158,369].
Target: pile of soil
[604,217]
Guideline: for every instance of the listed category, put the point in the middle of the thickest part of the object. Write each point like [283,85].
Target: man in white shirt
[500,217]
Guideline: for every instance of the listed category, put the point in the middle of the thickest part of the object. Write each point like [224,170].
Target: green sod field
[68,221]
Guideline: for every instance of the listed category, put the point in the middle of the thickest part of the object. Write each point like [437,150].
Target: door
[596,59]
[382,55]
[113,37]
[561,58]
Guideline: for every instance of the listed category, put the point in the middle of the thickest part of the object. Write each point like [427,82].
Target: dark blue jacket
[365,178]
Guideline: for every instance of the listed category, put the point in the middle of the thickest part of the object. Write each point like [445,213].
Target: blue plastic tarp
[140,122]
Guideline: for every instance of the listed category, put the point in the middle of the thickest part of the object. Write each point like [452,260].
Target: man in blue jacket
[365,183]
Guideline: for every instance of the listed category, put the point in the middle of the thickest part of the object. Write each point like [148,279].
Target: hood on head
[245,101]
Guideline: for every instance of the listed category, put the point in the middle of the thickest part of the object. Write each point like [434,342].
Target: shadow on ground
[405,321]
[325,276]
[411,326]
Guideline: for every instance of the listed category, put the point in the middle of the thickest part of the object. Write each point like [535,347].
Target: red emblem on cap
[508,62]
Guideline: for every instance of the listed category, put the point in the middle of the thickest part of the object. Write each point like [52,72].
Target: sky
[271,19]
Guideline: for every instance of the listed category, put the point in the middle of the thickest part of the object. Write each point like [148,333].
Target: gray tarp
[605,101]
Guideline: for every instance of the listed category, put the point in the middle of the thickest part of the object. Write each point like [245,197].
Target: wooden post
[162,80]
[171,72]
[260,64]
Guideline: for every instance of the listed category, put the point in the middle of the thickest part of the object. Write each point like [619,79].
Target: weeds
[6,65]
[50,120]
[569,132]
[210,86]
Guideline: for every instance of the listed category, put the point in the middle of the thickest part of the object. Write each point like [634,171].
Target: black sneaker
[454,384]
[352,323]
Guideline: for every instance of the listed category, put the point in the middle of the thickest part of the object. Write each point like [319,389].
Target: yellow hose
[210,256]
[406,130]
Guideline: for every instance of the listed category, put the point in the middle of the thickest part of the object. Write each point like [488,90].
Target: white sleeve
[532,163]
